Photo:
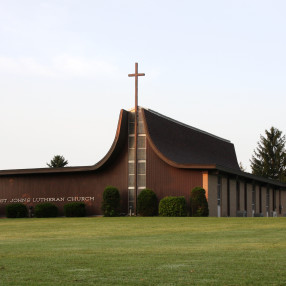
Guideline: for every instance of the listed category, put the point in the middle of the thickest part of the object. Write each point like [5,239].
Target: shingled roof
[186,146]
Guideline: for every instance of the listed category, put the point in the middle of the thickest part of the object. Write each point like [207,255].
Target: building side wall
[62,188]
[256,201]
[166,180]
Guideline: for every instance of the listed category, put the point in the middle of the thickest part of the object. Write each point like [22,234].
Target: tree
[57,162]
[269,159]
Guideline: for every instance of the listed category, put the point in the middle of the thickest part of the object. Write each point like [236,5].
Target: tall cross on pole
[136,74]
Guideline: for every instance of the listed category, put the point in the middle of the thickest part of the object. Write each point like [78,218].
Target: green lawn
[143,251]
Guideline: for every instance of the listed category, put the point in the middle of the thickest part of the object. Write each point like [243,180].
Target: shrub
[198,202]
[16,210]
[147,203]
[111,201]
[173,206]
[46,210]
[75,209]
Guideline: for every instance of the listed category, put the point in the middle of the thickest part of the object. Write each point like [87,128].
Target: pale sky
[219,66]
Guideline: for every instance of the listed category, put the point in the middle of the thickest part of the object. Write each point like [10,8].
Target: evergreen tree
[269,159]
[57,162]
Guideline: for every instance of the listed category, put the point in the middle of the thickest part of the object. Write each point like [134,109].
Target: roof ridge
[185,125]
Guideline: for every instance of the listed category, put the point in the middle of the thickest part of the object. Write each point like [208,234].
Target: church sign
[47,200]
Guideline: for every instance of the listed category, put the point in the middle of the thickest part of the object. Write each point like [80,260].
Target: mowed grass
[143,251]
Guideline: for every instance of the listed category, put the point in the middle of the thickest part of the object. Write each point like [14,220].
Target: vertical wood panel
[78,184]
[166,180]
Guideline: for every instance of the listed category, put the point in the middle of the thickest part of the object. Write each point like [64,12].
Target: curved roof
[184,146]
[119,141]
[178,144]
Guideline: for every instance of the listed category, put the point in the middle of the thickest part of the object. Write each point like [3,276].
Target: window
[141,158]
[267,200]
[280,206]
[260,200]
[274,200]
[219,196]
[228,198]
[237,195]
[218,190]
[245,196]
[253,198]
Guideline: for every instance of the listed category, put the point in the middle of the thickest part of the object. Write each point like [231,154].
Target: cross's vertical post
[136,74]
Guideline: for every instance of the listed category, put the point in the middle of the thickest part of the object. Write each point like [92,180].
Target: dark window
[267,200]
[131,169]
[131,180]
[274,200]
[141,167]
[218,190]
[253,198]
[141,154]
[228,198]
[131,142]
[141,128]
[260,200]
[245,196]
[280,206]
[237,195]
[141,141]
[131,127]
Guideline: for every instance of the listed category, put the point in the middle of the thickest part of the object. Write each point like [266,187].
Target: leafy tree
[269,159]
[57,162]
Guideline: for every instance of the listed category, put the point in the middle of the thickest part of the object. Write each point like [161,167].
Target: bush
[46,210]
[198,202]
[111,201]
[16,210]
[74,209]
[147,203]
[173,206]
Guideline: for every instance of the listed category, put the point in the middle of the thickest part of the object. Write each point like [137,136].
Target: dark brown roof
[185,146]
[178,144]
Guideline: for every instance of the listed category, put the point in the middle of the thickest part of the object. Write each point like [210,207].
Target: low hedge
[173,206]
[46,210]
[147,203]
[75,209]
[16,210]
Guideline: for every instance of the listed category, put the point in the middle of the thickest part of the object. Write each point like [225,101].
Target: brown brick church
[172,158]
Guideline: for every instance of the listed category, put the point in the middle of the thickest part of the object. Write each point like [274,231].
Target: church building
[172,158]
